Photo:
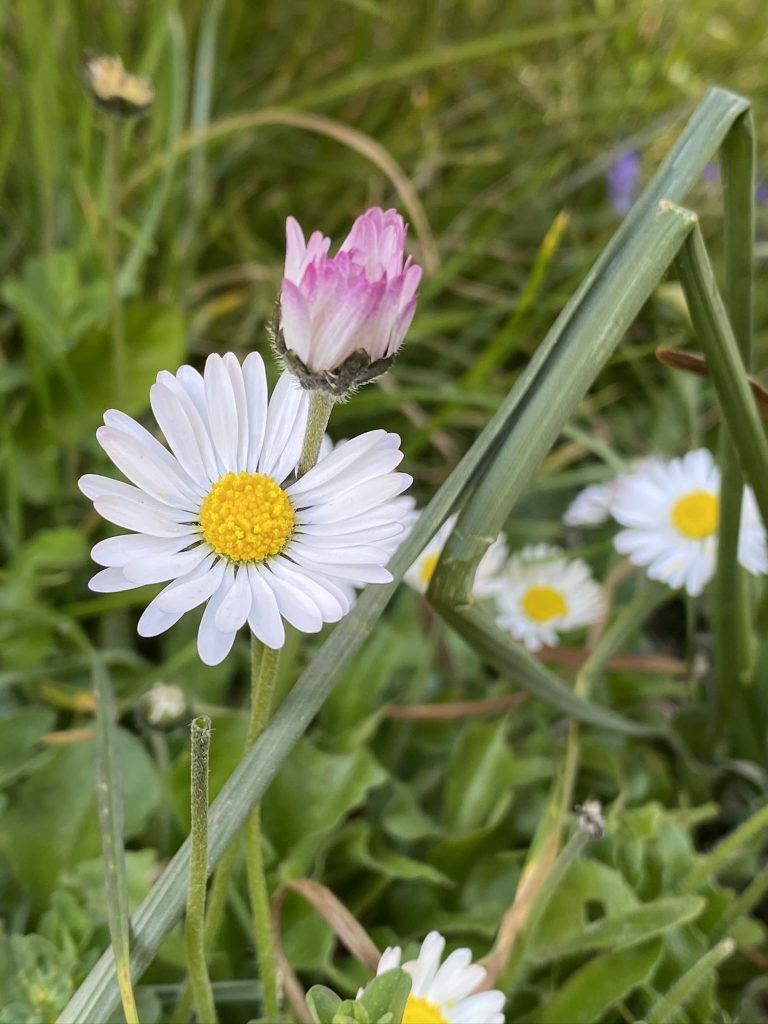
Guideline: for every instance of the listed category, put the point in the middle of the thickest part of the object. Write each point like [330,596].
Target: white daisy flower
[541,593]
[420,573]
[671,511]
[223,518]
[443,994]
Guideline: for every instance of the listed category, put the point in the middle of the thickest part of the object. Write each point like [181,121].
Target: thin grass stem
[264,665]
[194,930]
[111,218]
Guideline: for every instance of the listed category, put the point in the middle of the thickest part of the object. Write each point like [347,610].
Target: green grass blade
[509,658]
[668,1009]
[715,336]
[731,613]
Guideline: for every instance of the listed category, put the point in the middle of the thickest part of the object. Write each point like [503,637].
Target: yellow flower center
[421,1011]
[697,514]
[427,569]
[246,517]
[543,603]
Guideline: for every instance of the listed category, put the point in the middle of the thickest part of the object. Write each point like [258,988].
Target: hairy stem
[320,406]
[194,931]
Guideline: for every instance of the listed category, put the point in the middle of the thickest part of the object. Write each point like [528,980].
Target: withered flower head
[115,89]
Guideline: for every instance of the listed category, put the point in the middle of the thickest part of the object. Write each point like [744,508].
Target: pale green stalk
[320,407]
[194,928]
[668,1009]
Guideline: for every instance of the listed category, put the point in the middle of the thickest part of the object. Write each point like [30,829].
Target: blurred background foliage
[505,119]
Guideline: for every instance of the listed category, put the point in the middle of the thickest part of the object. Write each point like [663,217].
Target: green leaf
[323,1004]
[387,994]
[310,795]
[20,731]
[603,982]
[630,928]
[54,550]
[479,777]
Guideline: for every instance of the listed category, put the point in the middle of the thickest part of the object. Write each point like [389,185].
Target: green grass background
[504,118]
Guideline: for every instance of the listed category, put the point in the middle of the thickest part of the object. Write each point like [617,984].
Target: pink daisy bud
[342,319]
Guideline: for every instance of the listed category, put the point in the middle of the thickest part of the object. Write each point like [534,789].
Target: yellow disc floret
[543,603]
[246,517]
[697,514]
[427,567]
[421,1011]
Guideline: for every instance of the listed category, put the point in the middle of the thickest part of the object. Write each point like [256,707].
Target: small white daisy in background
[223,518]
[420,573]
[442,994]
[671,511]
[540,593]
[592,506]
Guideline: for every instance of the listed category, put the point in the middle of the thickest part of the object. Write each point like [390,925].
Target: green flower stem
[194,930]
[112,216]
[668,1009]
[264,665]
[320,406]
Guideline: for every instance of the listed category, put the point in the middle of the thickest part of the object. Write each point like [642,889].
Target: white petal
[234,609]
[332,603]
[184,594]
[343,455]
[155,621]
[257,398]
[357,573]
[160,475]
[212,645]
[128,546]
[286,424]
[425,967]
[198,420]
[374,465]
[109,581]
[144,515]
[483,1008]
[241,405]
[167,567]
[364,498]
[295,606]
[179,432]
[264,616]
[222,411]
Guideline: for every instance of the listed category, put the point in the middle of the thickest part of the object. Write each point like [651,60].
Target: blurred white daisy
[222,516]
[420,573]
[592,506]
[672,511]
[443,994]
[541,593]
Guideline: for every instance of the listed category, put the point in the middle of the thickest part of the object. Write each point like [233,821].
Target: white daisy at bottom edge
[671,513]
[541,593]
[444,993]
[222,520]
[419,575]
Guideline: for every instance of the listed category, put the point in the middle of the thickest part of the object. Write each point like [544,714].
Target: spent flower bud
[115,89]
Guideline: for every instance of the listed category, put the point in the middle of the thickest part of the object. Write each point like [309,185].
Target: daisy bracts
[223,518]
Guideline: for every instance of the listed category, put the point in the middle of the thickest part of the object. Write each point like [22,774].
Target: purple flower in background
[623,182]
